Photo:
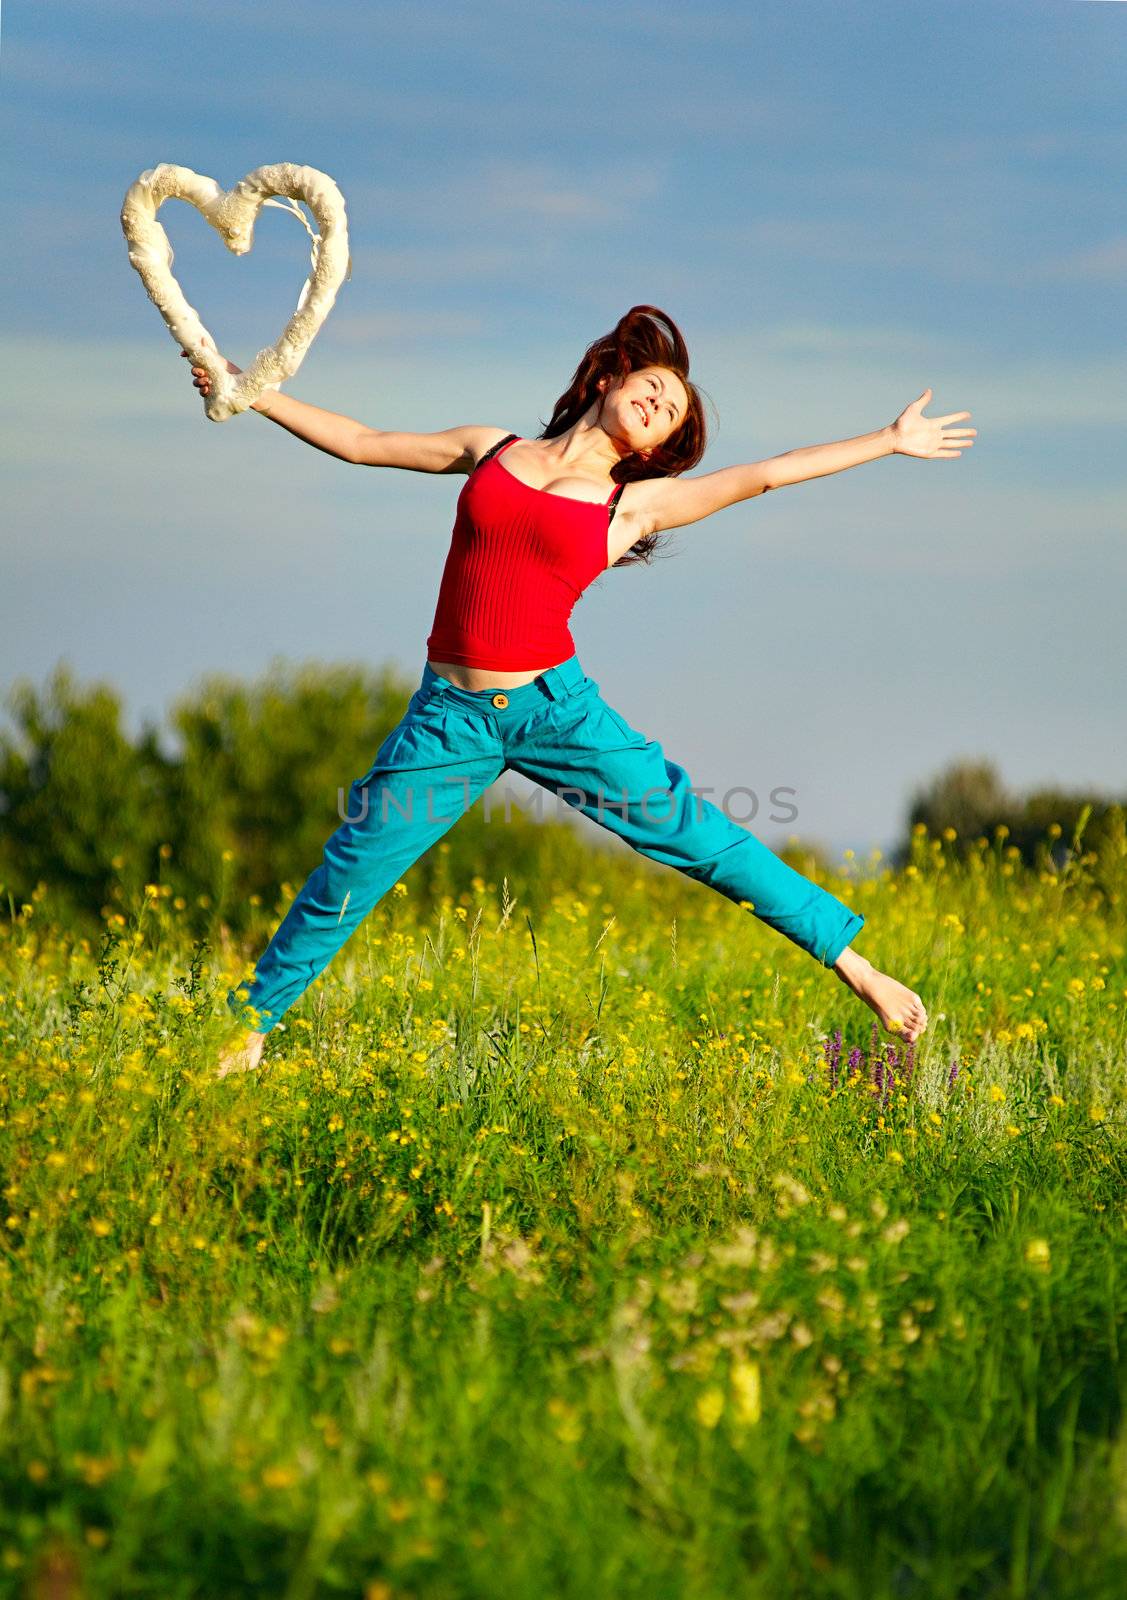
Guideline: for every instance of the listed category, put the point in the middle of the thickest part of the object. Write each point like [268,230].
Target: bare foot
[242,1055]
[900,1009]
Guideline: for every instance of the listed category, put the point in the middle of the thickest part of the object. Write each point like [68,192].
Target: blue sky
[840,205]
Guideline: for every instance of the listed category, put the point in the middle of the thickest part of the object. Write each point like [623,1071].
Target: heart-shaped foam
[233,214]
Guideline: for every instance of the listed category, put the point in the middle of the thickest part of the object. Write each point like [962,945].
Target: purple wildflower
[910,1063]
[892,1054]
[953,1074]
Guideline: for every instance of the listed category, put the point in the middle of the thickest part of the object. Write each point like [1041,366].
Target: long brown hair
[637,340]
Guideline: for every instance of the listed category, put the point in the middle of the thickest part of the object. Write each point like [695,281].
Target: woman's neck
[586,445]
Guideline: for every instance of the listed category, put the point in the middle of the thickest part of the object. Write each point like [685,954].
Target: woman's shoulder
[490,441]
[451,450]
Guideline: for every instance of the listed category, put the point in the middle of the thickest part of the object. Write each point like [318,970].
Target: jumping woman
[537,521]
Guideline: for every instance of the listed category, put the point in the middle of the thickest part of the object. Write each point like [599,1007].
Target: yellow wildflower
[1037,1254]
[710,1406]
[746,1391]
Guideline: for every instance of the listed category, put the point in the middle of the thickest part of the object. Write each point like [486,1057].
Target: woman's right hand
[200,377]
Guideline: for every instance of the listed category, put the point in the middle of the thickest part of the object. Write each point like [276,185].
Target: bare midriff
[476,678]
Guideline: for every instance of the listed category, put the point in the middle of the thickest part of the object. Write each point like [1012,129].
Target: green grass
[542,1258]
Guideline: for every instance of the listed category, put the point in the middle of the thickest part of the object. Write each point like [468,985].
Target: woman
[537,521]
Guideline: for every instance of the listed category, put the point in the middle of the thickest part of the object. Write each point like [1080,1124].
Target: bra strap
[510,438]
[612,503]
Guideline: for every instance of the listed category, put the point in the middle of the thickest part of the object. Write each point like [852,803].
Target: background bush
[231,807]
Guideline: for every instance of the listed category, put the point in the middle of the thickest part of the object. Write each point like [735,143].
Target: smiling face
[644,408]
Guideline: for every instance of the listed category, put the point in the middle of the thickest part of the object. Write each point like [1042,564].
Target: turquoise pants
[558,731]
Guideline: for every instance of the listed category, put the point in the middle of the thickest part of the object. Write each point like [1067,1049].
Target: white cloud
[811,376]
[437,264]
[819,338]
[462,193]
[539,189]
[377,326]
[130,419]
[924,519]
[1102,263]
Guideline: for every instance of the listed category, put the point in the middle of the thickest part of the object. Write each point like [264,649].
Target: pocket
[625,732]
[382,757]
[392,748]
[588,695]
[595,725]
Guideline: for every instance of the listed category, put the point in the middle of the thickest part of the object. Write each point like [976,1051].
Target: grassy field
[579,1240]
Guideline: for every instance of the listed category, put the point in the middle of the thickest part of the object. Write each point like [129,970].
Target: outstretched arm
[336,435]
[658,503]
[451,450]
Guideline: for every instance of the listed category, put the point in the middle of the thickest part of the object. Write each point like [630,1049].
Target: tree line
[258,774]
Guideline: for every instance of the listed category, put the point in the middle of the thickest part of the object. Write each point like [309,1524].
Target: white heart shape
[232,214]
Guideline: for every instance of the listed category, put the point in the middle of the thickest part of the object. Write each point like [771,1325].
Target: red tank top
[519,559]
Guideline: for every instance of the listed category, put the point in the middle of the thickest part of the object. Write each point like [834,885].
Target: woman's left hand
[930,437]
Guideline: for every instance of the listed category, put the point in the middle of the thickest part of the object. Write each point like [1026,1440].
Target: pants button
[500,701]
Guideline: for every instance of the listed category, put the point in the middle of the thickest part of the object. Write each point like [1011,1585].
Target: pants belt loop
[553,684]
[565,678]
